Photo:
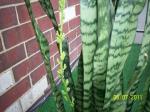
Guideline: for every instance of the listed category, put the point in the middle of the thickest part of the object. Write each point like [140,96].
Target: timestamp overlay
[127,97]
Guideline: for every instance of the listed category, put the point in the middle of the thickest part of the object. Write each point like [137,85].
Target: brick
[52,62]
[77,9]
[11,57]
[65,27]
[18,34]
[69,13]
[26,100]
[71,35]
[32,46]
[1,47]
[55,74]
[79,49]
[53,49]
[34,94]
[73,55]
[13,94]
[57,56]
[53,34]
[75,43]
[57,17]
[21,70]
[38,74]
[48,36]
[7,2]
[45,23]
[8,17]
[74,23]
[35,60]
[39,88]
[6,81]
[25,67]
[73,2]
[23,13]
[55,4]
[78,32]
[15,107]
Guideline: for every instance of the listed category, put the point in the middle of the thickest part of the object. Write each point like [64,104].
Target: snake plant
[107,36]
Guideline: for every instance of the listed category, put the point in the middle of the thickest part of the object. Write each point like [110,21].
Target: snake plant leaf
[142,61]
[147,104]
[101,54]
[42,41]
[44,49]
[48,8]
[79,86]
[123,33]
[89,42]
[145,86]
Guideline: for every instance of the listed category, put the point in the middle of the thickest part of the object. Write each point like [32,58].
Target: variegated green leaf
[79,86]
[44,49]
[89,42]
[123,33]
[47,6]
[142,61]
[104,28]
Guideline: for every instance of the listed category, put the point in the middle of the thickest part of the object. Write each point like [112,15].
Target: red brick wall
[19,52]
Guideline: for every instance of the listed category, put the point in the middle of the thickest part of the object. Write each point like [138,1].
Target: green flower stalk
[60,38]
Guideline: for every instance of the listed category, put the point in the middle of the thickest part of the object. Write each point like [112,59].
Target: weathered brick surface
[14,93]
[73,55]
[26,66]
[45,23]
[11,57]
[71,35]
[48,36]
[74,23]
[77,9]
[20,53]
[23,13]
[38,73]
[17,35]
[1,47]
[74,43]
[73,2]
[53,49]
[54,4]
[65,27]
[7,2]
[32,46]
[9,19]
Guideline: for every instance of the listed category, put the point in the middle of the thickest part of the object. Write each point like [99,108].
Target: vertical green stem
[60,39]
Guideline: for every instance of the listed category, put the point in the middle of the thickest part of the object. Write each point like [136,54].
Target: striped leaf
[147,104]
[89,42]
[79,86]
[142,61]
[123,33]
[44,49]
[47,6]
[104,28]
